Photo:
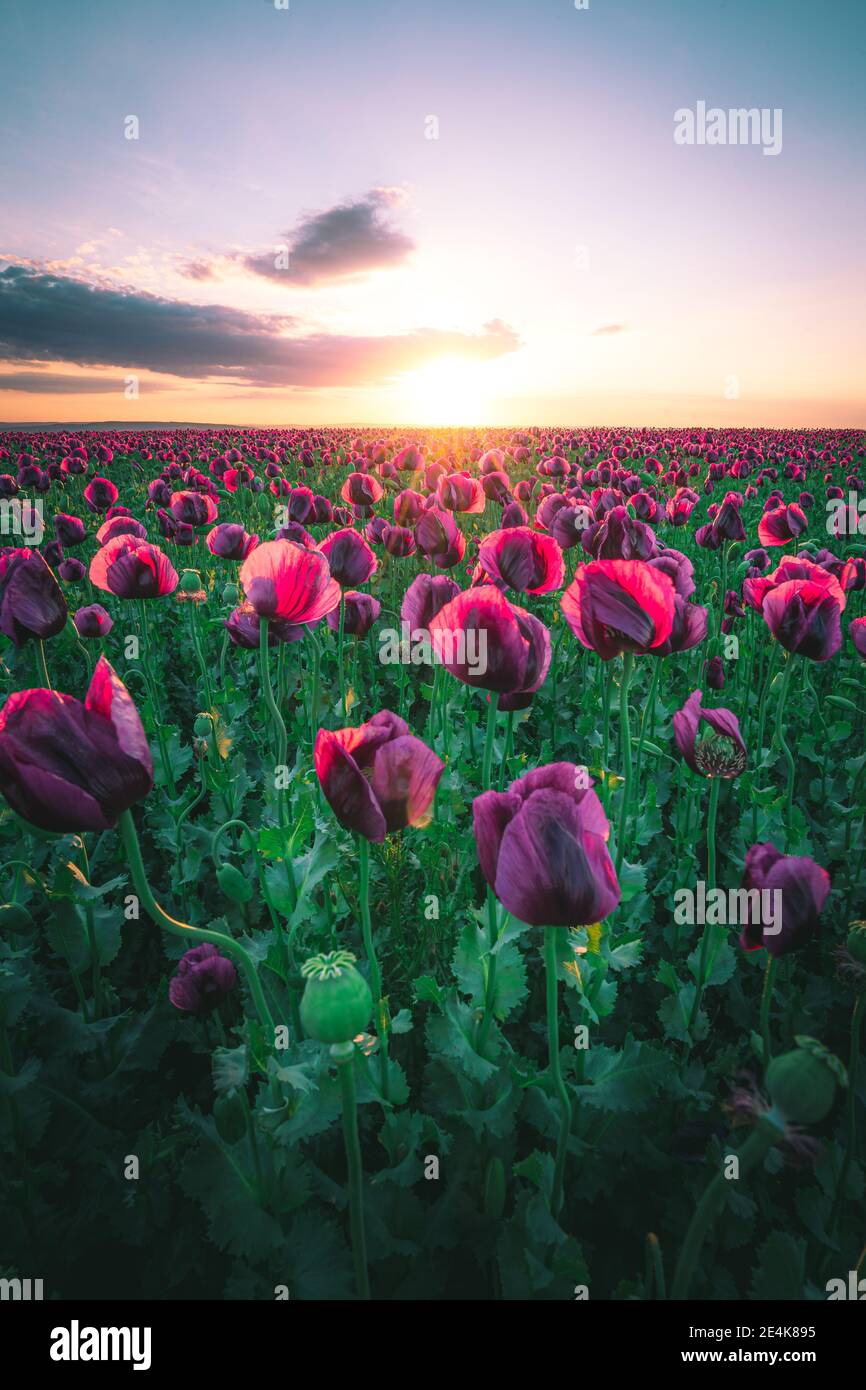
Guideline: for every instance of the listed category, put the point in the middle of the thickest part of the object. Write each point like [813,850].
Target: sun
[449,391]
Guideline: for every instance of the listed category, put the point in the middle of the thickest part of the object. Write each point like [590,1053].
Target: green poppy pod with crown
[802,1083]
[337,1003]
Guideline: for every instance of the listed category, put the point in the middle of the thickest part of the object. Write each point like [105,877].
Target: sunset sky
[553,256]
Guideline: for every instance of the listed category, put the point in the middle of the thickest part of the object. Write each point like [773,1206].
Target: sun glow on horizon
[451,390]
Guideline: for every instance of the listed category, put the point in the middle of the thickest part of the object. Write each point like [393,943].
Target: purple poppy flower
[542,847]
[202,980]
[722,753]
[802,886]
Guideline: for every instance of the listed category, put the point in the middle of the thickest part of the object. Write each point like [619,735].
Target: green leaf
[780,1270]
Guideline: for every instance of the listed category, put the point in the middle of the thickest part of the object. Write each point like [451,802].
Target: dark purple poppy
[802,886]
[350,558]
[425,596]
[230,541]
[202,980]
[93,621]
[361,611]
[804,618]
[542,847]
[69,765]
[489,643]
[31,600]
[69,530]
[378,777]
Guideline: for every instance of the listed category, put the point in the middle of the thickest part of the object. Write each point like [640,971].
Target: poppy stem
[189,933]
[490,985]
[487,765]
[766,1001]
[342,671]
[43,664]
[850,1109]
[344,1056]
[369,949]
[783,743]
[760,1141]
[555,1069]
[276,718]
[625,734]
[712,810]
[155,711]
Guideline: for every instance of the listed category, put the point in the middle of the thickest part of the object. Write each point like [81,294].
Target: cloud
[609,329]
[56,384]
[46,317]
[338,244]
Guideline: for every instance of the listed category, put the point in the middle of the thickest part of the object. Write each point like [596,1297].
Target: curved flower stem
[199,651]
[341,631]
[487,765]
[490,984]
[287,954]
[760,1141]
[850,1108]
[555,1069]
[189,933]
[783,743]
[156,712]
[375,974]
[344,1055]
[43,664]
[715,787]
[506,754]
[766,1001]
[625,734]
[279,727]
[650,704]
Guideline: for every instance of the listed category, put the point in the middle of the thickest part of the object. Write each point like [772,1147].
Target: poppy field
[432,863]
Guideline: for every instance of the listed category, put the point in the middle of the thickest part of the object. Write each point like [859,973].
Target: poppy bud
[202,726]
[336,1003]
[232,882]
[802,1083]
[230,594]
[856,942]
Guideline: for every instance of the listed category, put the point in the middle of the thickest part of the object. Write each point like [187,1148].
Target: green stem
[625,734]
[375,974]
[850,1108]
[766,1001]
[182,929]
[715,787]
[783,743]
[555,1069]
[43,664]
[346,1070]
[487,765]
[279,727]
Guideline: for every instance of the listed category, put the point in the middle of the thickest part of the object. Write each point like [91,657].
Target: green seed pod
[231,1122]
[857,942]
[202,726]
[230,594]
[337,1002]
[232,882]
[802,1085]
[14,917]
[190,582]
[494,1189]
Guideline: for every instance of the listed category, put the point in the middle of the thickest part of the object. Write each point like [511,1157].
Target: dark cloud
[53,318]
[608,329]
[53,384]
[341,242]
